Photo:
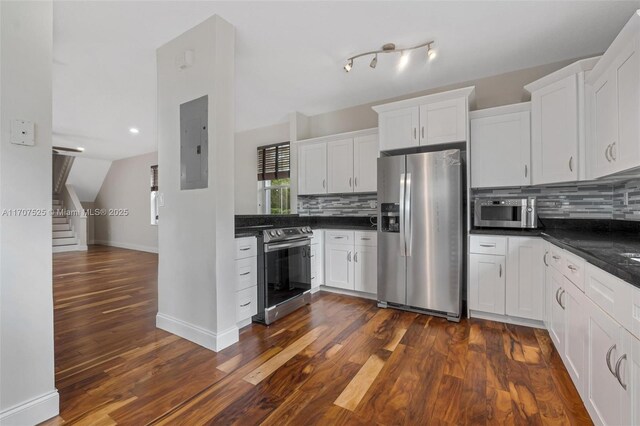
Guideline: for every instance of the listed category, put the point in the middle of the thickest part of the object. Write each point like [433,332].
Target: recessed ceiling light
[134,130]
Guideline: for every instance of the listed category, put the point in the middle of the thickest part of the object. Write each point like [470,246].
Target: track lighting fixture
[391,48]
[374,61]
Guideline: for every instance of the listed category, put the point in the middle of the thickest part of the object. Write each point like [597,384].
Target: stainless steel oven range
[284,272]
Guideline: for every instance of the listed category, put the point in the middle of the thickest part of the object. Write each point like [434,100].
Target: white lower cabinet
[317,260]
[351,260]
[556,312]
[246,280]
[575,305]
[608,390]
[487,283]
[524,283]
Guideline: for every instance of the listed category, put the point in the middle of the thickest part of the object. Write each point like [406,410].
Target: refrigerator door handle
[403,243]
[407,213]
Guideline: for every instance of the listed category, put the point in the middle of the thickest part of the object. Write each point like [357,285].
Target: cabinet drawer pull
[573,268]
[487,245]
[337,237]
[365,238]
[245,248]
[608,359]
[555,257]
[624,385]
[245,273]
[245,305]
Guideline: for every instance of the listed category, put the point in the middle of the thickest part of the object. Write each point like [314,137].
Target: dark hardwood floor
[340,360]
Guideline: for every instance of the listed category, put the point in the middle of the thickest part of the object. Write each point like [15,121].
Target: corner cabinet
[338,164]
[558,124]
[428,120]
[525,290]
[614,94]
[501,136]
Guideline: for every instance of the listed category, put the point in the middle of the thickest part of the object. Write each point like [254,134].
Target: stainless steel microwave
[505,213]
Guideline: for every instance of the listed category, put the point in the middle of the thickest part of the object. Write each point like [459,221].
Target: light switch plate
[23,132]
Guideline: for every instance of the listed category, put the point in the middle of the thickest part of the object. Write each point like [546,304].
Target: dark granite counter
[603,243]
[252,225]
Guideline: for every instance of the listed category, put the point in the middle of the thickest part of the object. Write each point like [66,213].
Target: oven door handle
[282,246]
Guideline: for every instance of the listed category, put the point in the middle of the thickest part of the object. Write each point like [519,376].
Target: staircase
[64,238]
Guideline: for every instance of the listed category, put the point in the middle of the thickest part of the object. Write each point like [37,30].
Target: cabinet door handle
[558,291]
[355,257]
[349,257]
[526,170]
[415,134]
[245,273]
[350,182]
[624,385]
[571,163]
[560,298]
[245,305]
[606,153]
[544,258]
[355,181]
[422,132]
[500,269]
[608,359]
[324,183]
[613,155]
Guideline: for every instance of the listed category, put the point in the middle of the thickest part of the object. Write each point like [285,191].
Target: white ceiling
[289,55]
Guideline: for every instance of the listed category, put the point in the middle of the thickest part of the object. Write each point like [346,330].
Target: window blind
[154,178]
[274,161]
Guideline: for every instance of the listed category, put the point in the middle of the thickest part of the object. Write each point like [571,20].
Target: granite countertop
[601,246]
[253,225]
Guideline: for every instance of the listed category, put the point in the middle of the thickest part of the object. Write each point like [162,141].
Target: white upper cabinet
[614,93]
[558,125]
[312,168]
[365,163]
[444,121]
[427,120]
[399,128]
[501,136]
[340,166]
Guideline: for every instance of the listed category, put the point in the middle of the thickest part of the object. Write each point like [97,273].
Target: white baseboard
[198,335]
[63,249]
[148,249]
[32,412]
[354,293]
[506,319]
[244,323]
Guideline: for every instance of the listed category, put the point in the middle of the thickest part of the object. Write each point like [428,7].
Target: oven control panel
[284,234]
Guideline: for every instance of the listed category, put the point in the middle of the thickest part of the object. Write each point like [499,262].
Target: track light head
[374,62]
[348,65]
[431,53]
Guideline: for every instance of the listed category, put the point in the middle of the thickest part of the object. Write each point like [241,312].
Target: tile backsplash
[339,204]
[582,200]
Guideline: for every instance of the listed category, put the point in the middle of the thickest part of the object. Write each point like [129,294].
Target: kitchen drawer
[246,303]
[246,273]
[573,268]
[614,296]
[488,244]
[316,238]
[246,247]
[366,238]
[339,237]
[556,258]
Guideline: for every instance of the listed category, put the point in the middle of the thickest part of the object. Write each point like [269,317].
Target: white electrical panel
[23,132]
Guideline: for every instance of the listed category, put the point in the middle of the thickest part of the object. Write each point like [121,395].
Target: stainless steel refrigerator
[420,202]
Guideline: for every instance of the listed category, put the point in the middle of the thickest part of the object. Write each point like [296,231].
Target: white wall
[246,167]
[127,185]
[87,175]
[27,387]
[196,230]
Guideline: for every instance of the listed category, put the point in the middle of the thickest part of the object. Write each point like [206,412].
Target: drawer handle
[245,305]
[487,245]
[624,385]
[608,359]
[573,268]
[337,238]
[365,238]
[245,248]
[556,257]
[245,273]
